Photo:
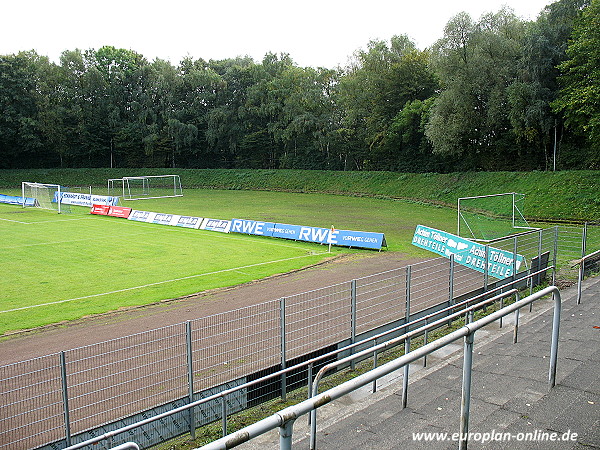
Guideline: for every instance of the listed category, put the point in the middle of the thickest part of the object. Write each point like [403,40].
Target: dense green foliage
[563,195]
[485,96]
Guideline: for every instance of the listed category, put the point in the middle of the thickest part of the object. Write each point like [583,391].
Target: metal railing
[447,314]
[284,419]
[581,273]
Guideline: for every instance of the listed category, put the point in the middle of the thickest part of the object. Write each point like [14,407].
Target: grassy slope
[568,195]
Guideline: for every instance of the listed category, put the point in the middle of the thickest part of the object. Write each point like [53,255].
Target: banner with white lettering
[75,198]
[346,238]
[500,263]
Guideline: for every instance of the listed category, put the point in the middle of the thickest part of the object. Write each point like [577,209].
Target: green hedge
[565,195]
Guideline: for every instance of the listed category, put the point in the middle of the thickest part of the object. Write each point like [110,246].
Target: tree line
[497,93]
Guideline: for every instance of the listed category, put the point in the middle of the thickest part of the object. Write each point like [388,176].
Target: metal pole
[451,286]
[283,346]
[554,347]
[485,269]
[407,341]
[405,375]
[425,338]
[514,277]
[555,254]
[188,342]
[352,319]
[285,435]
[65,398]
[224,415]
[465,402]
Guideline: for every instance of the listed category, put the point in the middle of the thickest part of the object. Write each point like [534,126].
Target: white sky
[314,32]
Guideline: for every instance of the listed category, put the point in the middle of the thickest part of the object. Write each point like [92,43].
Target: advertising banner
[285,231]
[188,222]
[252,227]
[331,236]
[12,200]
[142,216]
[361,239]
[100,209]
[216,225]
[119,211]
[164,219]
[500,263]
[74,198]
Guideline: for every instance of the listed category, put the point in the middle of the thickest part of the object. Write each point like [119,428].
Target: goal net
[488,217]
[46,196]
[144,187]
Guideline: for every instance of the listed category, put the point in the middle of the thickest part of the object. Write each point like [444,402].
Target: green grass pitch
[63,267]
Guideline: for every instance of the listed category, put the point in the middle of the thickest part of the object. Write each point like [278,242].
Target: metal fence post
[555,254]
[581,274]
[485,269]
[283,346]
[407,341]
[465,403]
[451,285]
[188,345]
[352,319]
[515,244]
[65,398]
[224,414]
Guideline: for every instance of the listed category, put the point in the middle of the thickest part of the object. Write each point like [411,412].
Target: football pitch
[63,267]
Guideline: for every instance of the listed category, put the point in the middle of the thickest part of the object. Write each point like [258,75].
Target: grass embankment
[556,196]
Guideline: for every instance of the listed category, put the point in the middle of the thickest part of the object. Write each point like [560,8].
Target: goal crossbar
[146,187]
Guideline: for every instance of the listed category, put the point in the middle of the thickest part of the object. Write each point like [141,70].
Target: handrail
[127,446]
[581,263]
[391,343]
[285,418]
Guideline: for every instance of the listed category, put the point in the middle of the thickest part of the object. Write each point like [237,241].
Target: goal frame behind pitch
[126,187]
[516,217]
[44,194]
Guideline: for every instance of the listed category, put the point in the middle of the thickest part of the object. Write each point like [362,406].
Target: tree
[20,138]
[579,98]
[374,90]
[535,87]
[476,62]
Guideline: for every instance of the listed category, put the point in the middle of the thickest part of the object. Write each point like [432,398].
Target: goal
[46,196]
[487,217]
[145,187]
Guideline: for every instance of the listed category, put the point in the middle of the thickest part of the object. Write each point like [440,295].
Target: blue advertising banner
[252,227]
[362,239]
[285,231]
[10,199]
[318,235]
[500,263]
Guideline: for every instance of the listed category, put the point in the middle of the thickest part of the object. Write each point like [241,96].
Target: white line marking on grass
[16,221]
[233,269]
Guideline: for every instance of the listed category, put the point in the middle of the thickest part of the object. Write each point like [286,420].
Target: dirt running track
[99,328]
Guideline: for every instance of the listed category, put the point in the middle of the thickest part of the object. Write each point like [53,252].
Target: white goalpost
[44,195]
[145,187]
[487,217]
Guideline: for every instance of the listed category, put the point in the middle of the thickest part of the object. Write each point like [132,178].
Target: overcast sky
[314,32]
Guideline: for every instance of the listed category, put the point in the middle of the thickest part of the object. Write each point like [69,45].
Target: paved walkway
[511,405]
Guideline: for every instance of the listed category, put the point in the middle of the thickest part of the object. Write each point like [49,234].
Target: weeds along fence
[67,398]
